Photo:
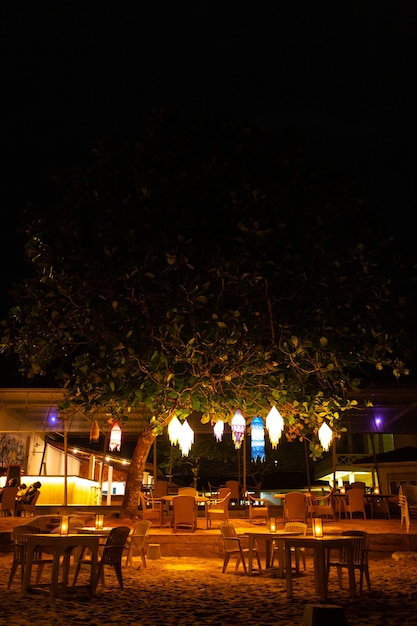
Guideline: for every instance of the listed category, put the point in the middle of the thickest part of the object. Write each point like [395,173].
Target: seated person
[22,491]
[27,498]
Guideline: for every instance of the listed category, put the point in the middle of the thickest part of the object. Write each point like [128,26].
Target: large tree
[206,268]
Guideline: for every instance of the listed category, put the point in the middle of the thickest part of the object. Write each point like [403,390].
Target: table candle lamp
[272,525]
[376,490]
[99,522]
[317,527]
[63,529]
[343,489]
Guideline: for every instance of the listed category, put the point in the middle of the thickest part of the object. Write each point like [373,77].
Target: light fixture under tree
[174,430]
[218,430]
[238,428]
[325,435]
[274,426]
[186,438]
[115,441]
[94,432]
[257,437]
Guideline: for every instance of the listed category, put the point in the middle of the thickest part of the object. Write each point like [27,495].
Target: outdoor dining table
[60,546]
[268,537]
[320,547]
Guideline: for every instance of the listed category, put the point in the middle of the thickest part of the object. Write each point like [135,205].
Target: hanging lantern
[174,430]
[238,428]
[94,432]
[274,426]
[115,438]
[325,435]
[218,430]
[257,439]
[185,438]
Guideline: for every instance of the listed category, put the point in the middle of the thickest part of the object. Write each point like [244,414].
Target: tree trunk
[135,474]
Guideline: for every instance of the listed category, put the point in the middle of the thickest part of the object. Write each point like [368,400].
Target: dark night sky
[342,72]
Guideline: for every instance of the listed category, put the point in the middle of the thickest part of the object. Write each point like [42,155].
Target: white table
[60,546]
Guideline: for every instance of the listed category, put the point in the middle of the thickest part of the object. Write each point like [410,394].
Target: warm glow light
[238,428]
[99,522]
[218,430]
[325,436]
[376,490]
[342,489]
[186,438]
[257,436]
[317,527]
[174,430]
[272,525]
[115,438]
[63,529]
[94,432]
[274,426]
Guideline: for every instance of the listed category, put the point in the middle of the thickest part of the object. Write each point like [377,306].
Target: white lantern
[325,435]
[115,438]
[274,426]
[218,430]
[186,438]
[238,428]
[174,430]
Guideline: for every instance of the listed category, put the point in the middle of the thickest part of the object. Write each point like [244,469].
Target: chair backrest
[295,507]
[31,507]
[161,489]
[184,510]
[357,485]
[187,491]
[360,547]
[229,535]
[222,492]
[296,527]
[235,490]
[141,528]
[356,500]
[19,532]
[115,543]
[8,498]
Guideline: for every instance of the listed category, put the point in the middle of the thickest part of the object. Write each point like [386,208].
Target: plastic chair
[295,527]
[321,506]
[152,510]
[218,510]
[258,508]
[19,553]
[355,503]
[111,555]
[295,507]
[137,540]
[360,558]
[233,547]
[184,512]
[235,491]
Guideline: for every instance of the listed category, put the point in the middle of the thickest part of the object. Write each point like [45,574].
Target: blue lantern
[258,439]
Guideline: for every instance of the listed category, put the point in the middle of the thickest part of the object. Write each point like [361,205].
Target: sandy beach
[189,591]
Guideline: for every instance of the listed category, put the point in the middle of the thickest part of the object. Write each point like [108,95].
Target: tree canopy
[205,267]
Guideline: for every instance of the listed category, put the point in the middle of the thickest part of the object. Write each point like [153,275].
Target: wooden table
[268,537]
[320,547]
[60,546]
